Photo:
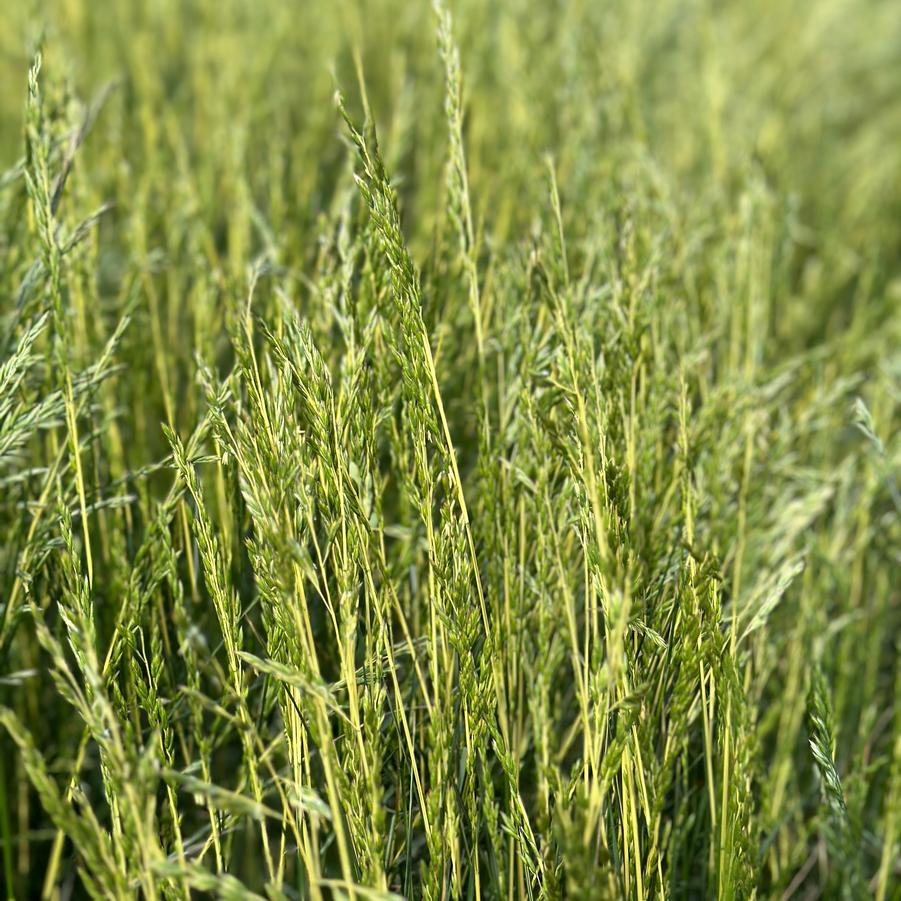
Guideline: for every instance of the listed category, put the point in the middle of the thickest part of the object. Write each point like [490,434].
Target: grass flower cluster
[450,451]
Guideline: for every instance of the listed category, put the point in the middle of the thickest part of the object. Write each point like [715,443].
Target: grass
[450,457]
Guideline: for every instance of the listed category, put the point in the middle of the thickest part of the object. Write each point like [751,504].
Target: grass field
[450,458]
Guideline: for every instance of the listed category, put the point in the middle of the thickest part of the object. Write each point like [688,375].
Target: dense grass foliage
[450,459]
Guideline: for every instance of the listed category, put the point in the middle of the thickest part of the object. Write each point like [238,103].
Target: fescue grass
[450,457]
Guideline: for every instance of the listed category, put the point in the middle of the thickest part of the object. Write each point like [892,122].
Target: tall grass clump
[450,450]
